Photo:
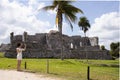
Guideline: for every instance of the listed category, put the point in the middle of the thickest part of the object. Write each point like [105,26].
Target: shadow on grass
[93,79]
[67,62]
[100,65]
[105,65]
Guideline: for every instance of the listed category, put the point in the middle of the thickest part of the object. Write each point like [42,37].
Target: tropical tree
[63,8]
[66,9]
[84,24]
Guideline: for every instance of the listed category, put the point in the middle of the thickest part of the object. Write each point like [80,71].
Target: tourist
[20,47]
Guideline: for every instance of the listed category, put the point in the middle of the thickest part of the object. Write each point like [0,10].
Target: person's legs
[18,65]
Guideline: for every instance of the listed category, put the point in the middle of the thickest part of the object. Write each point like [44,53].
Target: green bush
[114,49]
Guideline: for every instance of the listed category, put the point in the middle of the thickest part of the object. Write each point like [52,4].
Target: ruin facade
[51,45]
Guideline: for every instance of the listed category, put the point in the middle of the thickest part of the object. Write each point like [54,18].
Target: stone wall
[4,47]
[94,41]
[50,45]
[100,54]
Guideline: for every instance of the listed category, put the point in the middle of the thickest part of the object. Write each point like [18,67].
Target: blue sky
[22,15]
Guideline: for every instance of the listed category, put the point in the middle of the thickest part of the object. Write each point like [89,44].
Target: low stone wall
[90,54]
[10,53]
[90,48]
[101,54]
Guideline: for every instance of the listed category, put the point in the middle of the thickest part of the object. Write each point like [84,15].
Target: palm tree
[84,24]
[66,9]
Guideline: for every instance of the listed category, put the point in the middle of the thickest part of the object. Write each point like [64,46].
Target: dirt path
[16,75]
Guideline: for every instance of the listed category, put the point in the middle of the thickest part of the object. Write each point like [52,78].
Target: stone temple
[50,45]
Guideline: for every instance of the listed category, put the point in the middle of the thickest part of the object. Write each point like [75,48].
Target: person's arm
[24,48]
[17,50]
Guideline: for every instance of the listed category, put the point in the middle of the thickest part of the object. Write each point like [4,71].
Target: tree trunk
[60,30]
[85,34]
[60,22]
[85,46]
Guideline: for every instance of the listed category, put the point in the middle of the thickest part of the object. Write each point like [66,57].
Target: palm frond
[84,24]
[55,3]
[72,8]
[48,8]
[69,21]
[63,1]
[72,17]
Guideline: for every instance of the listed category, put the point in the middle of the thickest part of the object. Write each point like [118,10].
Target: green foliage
[103,47]
[84,24]
[64,8]
[69,69]
[114,49]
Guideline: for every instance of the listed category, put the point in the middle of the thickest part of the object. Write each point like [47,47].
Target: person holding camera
[20,47]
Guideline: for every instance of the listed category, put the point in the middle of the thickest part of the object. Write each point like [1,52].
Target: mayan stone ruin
[48,45]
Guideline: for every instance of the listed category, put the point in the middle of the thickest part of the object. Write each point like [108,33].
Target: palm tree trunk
[85,34]
[60,30]
[86,46]
[60,21]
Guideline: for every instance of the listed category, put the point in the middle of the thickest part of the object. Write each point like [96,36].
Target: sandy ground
[17,75]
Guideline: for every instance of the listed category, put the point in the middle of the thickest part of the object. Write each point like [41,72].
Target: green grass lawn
[1,55]
[69,69]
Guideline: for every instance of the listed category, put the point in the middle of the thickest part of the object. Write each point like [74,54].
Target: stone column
[25,37]
[11,37]
[97,40]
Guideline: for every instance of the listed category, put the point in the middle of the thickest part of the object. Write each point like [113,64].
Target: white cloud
[32,2]
[17,17]
[41,6]
[52,12]
[106,27]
